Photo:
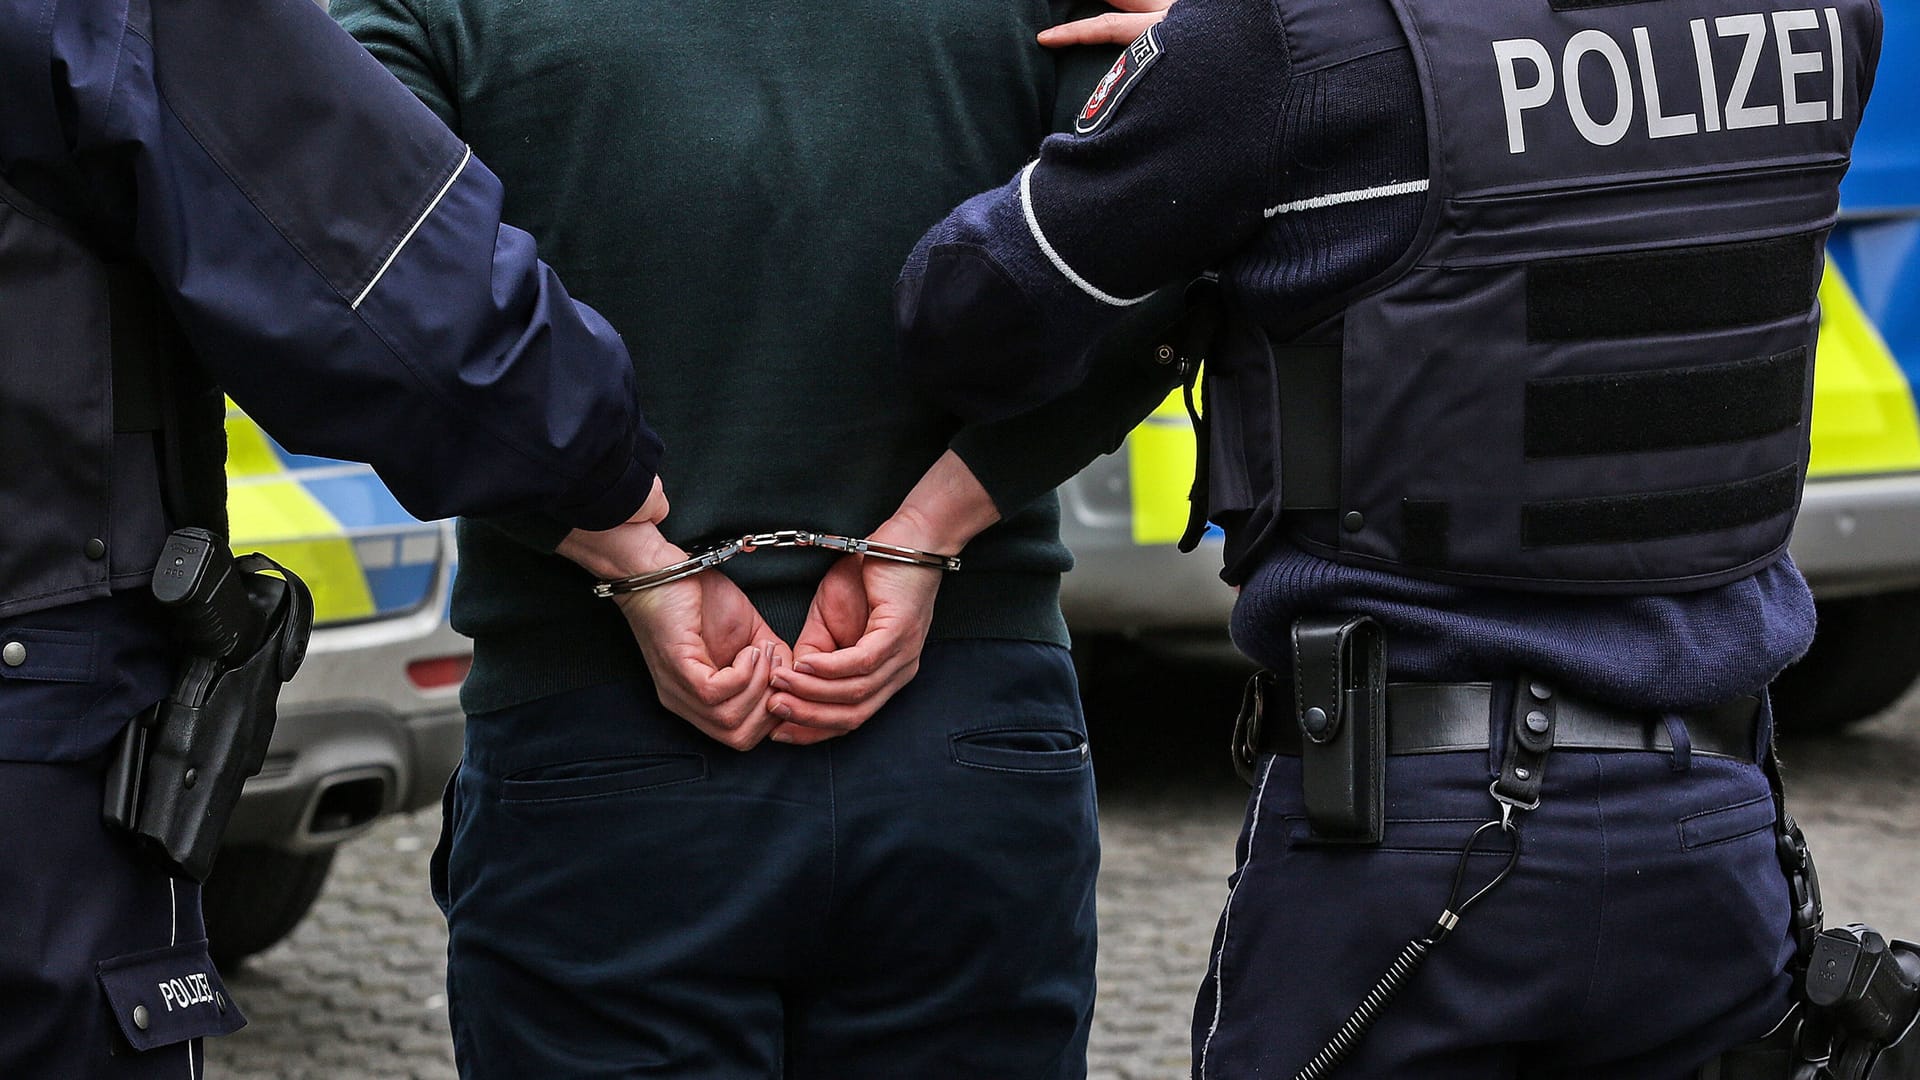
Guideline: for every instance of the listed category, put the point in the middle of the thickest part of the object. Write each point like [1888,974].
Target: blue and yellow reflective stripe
[1160,460]
[1864,420]
[332,522]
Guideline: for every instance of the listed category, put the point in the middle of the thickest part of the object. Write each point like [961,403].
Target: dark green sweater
[734,186]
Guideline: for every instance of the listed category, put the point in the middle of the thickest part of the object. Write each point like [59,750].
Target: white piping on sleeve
[1407,187]
[397,248]
[1060,264]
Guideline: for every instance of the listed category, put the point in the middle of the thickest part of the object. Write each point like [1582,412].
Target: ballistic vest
[1593,370]
[105,431]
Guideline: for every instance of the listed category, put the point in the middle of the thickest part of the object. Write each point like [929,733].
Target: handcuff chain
[707,558]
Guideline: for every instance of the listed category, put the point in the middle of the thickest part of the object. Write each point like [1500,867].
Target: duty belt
[1342,719]
[1438,718]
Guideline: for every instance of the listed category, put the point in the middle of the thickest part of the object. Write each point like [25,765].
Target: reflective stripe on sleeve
[1053,256]
[1341,198]
[401,246]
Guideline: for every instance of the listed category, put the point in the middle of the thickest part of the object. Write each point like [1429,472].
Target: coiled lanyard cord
[1517,790]
[1415,952]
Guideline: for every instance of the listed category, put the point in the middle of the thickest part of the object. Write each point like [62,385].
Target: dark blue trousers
[915,900]
[90,931]
[1643,931]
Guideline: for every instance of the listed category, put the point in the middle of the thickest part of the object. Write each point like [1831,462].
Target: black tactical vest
[1593,370]
[105,433]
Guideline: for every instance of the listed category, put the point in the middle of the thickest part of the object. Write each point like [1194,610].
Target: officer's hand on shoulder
[1114,28]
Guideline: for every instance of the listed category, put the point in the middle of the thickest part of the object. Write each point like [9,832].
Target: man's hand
[860,645]
[708,649]
[1114,28]
[862,640]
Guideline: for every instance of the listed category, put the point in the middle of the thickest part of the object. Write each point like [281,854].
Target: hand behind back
[710,653]
[707,648]
[860,645]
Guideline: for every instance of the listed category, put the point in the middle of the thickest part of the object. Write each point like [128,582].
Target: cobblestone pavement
[356,991]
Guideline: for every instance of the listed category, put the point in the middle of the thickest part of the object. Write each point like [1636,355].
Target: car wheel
[256,896]
[1865,656]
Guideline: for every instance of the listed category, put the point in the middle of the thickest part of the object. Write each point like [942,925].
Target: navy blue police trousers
[104,972]
[627,898]
[1643,931]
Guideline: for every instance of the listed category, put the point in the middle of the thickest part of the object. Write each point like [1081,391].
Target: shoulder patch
[1119,79]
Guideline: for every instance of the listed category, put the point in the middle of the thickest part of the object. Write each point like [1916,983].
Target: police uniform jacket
[330,255]
[1517,303]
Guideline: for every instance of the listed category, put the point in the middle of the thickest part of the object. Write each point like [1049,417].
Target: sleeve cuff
[1021,458]
[619,501]
[1004,467]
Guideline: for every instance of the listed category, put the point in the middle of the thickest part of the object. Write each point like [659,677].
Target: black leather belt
[1436,718]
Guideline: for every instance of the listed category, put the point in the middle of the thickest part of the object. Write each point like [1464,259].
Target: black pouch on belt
[1340,703]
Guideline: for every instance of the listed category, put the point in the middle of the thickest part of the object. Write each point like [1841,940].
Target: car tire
[256,896]
[1865,656]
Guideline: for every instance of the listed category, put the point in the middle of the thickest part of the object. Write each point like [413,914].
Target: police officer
[195,190]
[1506,399]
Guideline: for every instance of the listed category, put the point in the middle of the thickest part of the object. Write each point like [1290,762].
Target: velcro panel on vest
[1309,388]
[1674,291]
[1665,410]
[1626,519]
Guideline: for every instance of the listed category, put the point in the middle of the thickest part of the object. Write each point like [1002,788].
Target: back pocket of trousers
[1726,823]
[602,776]
[1039,750]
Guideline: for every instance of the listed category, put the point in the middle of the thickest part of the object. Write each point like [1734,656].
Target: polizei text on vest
[1801,48]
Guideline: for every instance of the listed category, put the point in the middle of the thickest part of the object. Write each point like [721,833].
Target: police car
[372,724]
[1858,534]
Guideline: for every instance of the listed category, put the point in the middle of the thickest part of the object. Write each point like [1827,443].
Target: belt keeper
[1529,740]
[1250,723]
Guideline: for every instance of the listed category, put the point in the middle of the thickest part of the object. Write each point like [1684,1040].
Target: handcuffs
[707,558]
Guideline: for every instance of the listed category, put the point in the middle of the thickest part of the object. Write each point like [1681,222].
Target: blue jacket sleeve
[337,260]
[1000,304]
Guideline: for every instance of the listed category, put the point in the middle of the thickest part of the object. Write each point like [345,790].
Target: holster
[1805,1046]
[181,769]
[1857,992]
[1340,694]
